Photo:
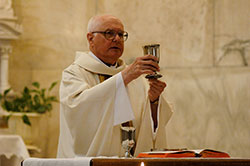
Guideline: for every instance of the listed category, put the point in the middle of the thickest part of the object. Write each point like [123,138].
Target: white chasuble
[88,126]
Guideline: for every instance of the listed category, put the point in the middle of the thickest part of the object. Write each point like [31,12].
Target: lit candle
[142,163]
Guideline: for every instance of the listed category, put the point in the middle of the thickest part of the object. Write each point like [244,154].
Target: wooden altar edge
[170,162]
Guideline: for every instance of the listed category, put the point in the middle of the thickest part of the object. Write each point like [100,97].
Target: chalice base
[153,76]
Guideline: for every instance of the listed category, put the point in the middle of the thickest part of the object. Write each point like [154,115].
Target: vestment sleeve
[87,113]
[123,110]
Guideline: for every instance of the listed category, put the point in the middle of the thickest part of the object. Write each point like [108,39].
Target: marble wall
[205,60]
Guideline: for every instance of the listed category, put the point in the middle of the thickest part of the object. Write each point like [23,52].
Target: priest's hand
[156,87]
[142,65]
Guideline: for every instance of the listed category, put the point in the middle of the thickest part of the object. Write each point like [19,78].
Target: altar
[171,162]
[115,161]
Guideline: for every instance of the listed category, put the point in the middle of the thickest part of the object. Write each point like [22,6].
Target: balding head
[96,21]
[105,48]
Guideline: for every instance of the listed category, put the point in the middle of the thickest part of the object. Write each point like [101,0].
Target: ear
[90,37]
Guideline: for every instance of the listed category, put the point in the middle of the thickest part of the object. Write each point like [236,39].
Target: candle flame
[142,163]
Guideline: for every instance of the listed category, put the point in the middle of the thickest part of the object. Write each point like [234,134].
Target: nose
[116,37]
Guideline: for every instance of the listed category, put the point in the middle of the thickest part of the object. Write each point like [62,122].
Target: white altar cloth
[12,150]
[79,161]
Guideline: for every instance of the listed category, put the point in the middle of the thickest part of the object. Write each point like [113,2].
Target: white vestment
[87,111]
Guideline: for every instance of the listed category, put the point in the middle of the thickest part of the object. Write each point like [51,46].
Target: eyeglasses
[111,34]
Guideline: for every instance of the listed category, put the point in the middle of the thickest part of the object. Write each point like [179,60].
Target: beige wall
[210,91]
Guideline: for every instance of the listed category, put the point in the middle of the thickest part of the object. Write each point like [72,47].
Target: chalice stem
[154,140]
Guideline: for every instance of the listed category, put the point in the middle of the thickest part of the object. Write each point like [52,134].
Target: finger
[140,66]
[157,86]
[150,57]
[156,90]
[148,63]
[146,71]
[151,63]
[152,97]
[157,83]
[149,67]
[153,94]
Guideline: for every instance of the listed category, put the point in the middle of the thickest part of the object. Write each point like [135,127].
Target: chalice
[152,49]
[128,140]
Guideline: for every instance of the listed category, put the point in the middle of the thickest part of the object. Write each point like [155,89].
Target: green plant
[35,99]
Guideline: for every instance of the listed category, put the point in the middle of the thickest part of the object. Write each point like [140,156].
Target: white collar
[95,57]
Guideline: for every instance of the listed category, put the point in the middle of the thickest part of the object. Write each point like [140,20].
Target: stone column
[9,30]
[4,66]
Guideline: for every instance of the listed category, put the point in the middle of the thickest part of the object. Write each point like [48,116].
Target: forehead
[110,23]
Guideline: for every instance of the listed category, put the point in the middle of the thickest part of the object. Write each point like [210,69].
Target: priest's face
[106,40]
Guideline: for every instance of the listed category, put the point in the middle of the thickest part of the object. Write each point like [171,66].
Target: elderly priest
[99,94]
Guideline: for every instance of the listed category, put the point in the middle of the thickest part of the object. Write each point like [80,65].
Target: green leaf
[52,98]
[41,109]
[6,91]
[52,86]
[26,94]
[49,107]
[31,100]
[35,91]
[26,120]
[7,106]
[36,99]
[26,89]
[42,93]
[36,84]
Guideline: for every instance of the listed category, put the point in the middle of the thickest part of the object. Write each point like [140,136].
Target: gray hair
[92,24]
[95,21]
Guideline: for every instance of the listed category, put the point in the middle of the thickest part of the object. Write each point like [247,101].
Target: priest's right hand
[142,65]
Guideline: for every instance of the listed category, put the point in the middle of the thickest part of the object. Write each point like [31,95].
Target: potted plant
[31,100]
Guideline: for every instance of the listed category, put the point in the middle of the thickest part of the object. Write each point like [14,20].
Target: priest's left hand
[156,88]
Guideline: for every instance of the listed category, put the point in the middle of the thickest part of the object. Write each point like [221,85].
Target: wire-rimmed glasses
[111,34]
